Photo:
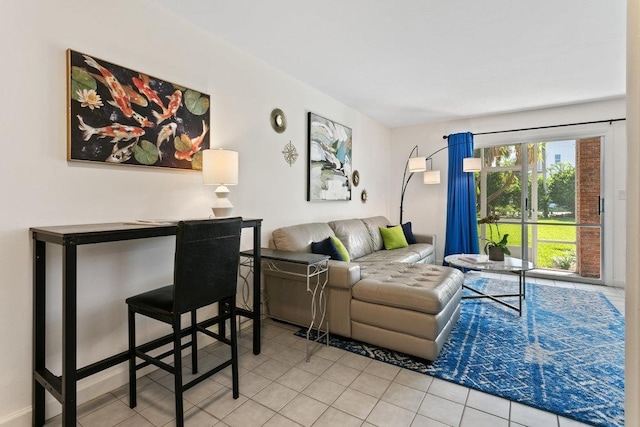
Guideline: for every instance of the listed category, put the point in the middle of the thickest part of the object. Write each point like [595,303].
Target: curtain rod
[545,127]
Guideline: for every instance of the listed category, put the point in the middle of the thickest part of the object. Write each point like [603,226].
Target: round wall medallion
[278,120]
[355,178]
[364,196]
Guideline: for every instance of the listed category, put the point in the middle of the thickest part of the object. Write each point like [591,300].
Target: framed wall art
[330,160]
[121,116]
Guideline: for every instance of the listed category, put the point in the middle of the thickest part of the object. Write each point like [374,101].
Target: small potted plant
[495,248]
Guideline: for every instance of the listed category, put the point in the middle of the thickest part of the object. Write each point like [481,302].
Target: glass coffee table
[482,263]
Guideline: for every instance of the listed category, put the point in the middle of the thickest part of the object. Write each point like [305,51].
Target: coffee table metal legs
[497,297]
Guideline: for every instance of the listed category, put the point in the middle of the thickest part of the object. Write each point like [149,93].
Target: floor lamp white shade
[471,164]
[220,167]
[431,177]
[417,164]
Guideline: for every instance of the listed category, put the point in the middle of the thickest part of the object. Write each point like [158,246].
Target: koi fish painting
[330,155]
[120,116]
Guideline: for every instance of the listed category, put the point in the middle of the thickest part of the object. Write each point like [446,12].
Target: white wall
[39,186]
[425,205]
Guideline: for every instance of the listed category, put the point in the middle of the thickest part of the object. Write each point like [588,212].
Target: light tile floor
[335,388]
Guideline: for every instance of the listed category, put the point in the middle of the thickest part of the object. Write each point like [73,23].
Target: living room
[43,188]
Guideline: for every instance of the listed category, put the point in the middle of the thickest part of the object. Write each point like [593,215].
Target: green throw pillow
[393,237]
[344,253]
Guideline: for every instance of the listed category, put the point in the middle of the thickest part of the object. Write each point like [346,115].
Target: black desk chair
[205,272]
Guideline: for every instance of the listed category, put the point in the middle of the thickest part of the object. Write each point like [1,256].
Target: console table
[63,387]
[310,267]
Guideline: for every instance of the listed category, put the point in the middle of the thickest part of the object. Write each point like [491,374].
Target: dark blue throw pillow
[326,247]
[408,232]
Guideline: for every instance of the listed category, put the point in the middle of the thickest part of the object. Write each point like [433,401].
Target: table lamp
[220,167]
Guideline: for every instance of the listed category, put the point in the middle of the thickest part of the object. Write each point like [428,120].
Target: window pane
[504,194]
[503,156]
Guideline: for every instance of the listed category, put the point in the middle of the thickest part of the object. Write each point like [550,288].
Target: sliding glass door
[548,196]
[500,191]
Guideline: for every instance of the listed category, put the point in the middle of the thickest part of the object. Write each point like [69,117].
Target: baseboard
[17,419]
[88,389]
[619,284]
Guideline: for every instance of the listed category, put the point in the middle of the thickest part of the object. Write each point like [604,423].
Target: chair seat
[158,302]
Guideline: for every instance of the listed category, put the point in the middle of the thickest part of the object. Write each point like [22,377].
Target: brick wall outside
[587,199]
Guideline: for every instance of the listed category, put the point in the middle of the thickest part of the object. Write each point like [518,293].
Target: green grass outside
[546,251]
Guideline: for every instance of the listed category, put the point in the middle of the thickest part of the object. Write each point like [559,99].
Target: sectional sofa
[397,299]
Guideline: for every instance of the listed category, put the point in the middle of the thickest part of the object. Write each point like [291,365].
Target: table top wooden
[81,234]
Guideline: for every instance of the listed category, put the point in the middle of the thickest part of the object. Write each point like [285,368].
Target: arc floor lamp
[419,164]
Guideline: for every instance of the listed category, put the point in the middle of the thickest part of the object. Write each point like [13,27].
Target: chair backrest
[206,262]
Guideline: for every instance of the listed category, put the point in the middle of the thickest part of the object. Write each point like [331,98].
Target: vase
[496,253]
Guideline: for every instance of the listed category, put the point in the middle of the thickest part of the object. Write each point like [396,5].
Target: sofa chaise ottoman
[395,299]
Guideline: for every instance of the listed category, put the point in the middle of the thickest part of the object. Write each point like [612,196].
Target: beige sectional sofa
[397,299]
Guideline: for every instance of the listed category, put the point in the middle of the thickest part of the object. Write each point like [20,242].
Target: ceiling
[408,62]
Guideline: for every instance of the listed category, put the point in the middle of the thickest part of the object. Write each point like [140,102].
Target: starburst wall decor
[290,153]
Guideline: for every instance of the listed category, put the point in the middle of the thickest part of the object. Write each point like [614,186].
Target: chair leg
[234,349]
[194,343]
[177,360]
[132,359]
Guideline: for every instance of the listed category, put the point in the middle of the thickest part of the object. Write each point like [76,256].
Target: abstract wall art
[120,116]
[330,160]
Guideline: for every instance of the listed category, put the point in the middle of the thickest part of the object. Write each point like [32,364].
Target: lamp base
[222,206]
[222,212]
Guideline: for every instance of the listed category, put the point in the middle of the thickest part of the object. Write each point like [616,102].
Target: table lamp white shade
[431,177]
[220,167]
[471,164]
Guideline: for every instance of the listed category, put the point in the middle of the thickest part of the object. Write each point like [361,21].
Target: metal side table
[314,269]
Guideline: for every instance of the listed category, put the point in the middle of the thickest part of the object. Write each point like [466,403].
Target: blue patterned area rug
[564,355]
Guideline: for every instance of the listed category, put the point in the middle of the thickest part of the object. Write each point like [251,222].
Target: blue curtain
[462,224]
